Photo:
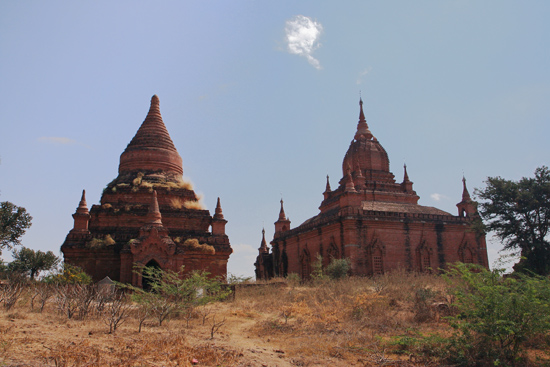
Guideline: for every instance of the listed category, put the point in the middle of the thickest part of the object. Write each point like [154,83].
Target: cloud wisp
[438,197]
[302,37]
[362,74]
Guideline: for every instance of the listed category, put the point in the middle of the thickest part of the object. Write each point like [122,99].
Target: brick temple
[148,216]
[375,222]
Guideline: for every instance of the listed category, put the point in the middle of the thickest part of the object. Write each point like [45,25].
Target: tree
[14,221]
[519,213]
[27,260]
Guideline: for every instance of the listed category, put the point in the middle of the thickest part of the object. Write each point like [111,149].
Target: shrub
[496,315]
[338,268]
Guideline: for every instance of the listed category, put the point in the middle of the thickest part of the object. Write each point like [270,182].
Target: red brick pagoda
[148,216]
[375,222]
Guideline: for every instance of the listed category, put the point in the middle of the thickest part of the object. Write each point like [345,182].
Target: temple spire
[263,245]
[83,206]
[218,213]
[362,126]
[282,215]
[328,189]
[465,193]
[350,187]
[154,216]
[405,175]
[151,149]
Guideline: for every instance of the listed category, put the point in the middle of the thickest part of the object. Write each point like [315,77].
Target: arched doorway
[146,282]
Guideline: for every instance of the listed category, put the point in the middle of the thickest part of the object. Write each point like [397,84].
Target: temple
[148,216]
[374,222]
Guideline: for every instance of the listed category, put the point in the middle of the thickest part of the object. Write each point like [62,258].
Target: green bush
[496,315]
[338,268]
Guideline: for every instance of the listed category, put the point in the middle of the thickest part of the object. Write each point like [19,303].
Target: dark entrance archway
[146,282]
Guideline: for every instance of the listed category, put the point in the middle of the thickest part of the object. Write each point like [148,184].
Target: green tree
[519,214]
[32,262]
[14,221]
[172,292]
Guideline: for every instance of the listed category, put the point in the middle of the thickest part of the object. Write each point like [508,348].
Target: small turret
[326,194]
[467,207]
[153,216]
[218,221]
[81,216]
[263,245]
[283,224]
[406,185]
[350,187]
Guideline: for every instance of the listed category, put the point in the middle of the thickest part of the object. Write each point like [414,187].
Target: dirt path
[257,351]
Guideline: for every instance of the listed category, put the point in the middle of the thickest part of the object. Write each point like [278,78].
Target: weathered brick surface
[146,215]
[375,222]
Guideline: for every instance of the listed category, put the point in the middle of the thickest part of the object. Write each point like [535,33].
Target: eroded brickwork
[148,215]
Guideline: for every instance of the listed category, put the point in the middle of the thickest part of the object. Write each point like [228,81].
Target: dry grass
[353,322]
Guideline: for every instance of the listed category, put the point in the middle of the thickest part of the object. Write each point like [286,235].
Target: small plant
[338,268]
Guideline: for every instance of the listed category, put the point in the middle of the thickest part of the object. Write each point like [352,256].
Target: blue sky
[261,100]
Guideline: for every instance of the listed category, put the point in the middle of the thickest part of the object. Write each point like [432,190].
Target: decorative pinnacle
[282,215]
[406,175]
[154,212]
[218,213]
[328,189]
[362,126]
[263,245]
[83,206]
[465,193]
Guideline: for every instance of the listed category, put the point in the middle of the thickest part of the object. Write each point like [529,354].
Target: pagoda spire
[282,215]
[154,216]
[82,206]
[151,149]
[218,221]
[328,189]
[465,194]
[362,126]
[263,246]
[405,175]
[350,187]
[81,217]
[218,213]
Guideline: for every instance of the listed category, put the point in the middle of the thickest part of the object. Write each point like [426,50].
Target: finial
[282,215]
[82,205]
[465,193]
[328,189]
[218,212]
[406,175]
[361,113]
[155,100]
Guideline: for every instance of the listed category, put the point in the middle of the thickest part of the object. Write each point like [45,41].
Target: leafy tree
[27,260]
[171,292]
[14,221]
[69,274]
[519,213]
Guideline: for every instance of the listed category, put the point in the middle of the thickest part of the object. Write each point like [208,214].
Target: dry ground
[348,323]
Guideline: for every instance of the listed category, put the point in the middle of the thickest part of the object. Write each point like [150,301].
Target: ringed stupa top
[151,149]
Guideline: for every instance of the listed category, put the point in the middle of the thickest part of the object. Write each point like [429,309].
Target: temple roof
[151,149]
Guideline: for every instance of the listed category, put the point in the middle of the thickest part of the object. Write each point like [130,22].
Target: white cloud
[438,197]
[302,37]
[57,140]
[362,74]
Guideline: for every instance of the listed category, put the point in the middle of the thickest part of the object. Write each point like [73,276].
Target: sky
[261,100]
